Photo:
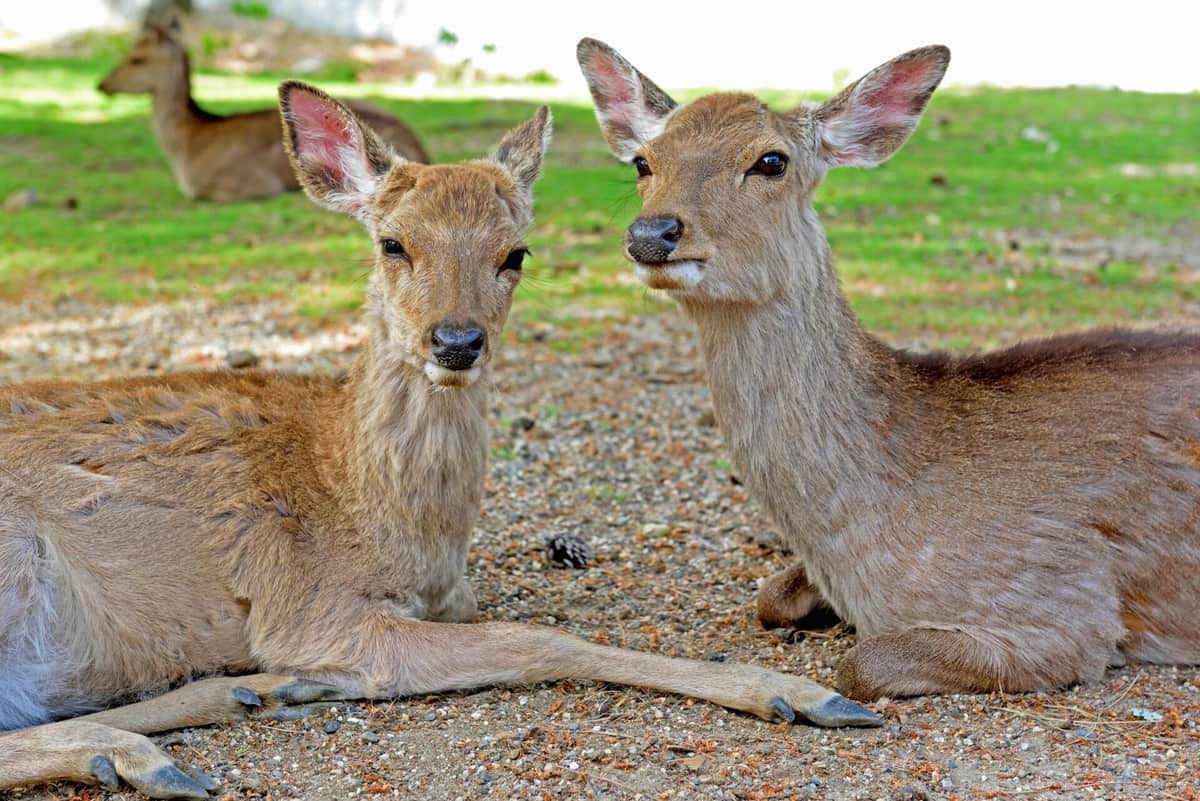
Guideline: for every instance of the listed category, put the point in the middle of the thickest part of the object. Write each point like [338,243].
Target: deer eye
[514,260]
[770,164]
[642,166]
[393,249]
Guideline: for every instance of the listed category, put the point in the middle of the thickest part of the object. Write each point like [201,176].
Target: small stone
[656,530]
[332,726]
[573,727]
[430,716]
[486,778]
[707,420]
[371,736]
[239,359]
[521,424]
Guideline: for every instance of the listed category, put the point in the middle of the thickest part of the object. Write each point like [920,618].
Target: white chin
[672,275]
[450,378]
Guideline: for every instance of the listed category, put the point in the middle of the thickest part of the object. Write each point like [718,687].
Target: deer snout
[652,240]
[456,346]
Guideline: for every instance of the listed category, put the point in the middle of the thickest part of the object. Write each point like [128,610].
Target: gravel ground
[616,444]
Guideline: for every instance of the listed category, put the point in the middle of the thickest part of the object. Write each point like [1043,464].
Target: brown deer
[1009,521]
[155,529]
[216,157]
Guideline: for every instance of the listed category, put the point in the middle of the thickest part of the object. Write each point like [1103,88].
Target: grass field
[1008,212]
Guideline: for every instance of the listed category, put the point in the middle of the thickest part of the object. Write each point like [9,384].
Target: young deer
[157,528]
[222,158]
[1010,521]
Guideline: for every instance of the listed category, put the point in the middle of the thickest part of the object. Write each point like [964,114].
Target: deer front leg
[105,747]
[786,598]
[92,753]
[936,661]
[394,656]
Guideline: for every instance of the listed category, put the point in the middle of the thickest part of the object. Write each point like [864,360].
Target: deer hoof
[105,772]
[246,697]
[837,710]
[783,709]
[169,781]
[303,691]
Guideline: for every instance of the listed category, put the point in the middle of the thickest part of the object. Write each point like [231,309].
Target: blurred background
[1052,184]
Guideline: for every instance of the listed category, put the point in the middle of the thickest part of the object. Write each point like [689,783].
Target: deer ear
[869,120]
[630,107]
[523,149]
[338,160]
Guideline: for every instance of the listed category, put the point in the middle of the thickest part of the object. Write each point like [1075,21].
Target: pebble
[371,736]
[240,358]
[656,530]
[332,726]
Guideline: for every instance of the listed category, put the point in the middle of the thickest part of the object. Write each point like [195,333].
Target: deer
[222,158]
[290,540]
[1007,521]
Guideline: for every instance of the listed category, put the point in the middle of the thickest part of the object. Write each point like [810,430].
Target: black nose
[457,346]
[653,239]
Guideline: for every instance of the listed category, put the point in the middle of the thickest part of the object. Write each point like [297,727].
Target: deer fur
[222,158]
[155,529]
[1011,521]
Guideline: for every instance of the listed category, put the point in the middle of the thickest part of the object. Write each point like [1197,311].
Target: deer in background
[1010,521]
[216,157]
[154,529]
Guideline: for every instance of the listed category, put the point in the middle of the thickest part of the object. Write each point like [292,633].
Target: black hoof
[289,713]
[170,782]
[246,696]
[838,711]
[303,691]
[783,709]
[105,772]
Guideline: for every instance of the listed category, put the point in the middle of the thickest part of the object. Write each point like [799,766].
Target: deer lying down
[157,528]
[1011,521]
[217,157]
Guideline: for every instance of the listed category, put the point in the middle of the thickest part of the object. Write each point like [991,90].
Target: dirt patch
[616,444]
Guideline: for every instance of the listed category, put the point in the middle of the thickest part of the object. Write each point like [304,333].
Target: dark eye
[514,260]
[137,61]
[770,165]
[642,166]
[393,249]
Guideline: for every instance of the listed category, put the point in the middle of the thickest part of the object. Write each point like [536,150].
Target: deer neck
[413,459]
[175,114]
[801,395]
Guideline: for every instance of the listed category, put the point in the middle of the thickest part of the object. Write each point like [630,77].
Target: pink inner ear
[616,92]
[320,131]
[900,90]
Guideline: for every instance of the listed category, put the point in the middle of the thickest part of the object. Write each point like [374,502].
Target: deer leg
[392,656]
[786,598]
[92,753]
[934,661]
[107,746]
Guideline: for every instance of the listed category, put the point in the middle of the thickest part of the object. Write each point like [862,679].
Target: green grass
[922,242]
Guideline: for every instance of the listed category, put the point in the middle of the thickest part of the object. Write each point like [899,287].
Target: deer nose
[456,346]
[652,240]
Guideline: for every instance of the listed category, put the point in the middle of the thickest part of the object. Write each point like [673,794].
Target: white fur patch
[450,378]
[673,275]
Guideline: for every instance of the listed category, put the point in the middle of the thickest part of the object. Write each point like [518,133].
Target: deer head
[726,182]
[448,239]
[156,60]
